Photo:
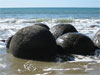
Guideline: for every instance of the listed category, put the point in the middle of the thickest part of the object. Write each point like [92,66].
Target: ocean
[86,13]
[85,20]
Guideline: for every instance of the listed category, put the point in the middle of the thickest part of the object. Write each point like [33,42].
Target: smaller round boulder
[96,39]
[42,25]
[61,29]
[75,43]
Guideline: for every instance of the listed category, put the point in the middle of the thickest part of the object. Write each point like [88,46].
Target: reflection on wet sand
[13,65]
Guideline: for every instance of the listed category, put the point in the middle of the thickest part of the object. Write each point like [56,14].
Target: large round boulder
[61,29]
[75,43]
[33,42]
[96,39]
[42,25]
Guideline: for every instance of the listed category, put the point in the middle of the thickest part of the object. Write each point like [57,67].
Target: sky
[49,3]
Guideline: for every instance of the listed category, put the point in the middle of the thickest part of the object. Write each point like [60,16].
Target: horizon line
[49,7]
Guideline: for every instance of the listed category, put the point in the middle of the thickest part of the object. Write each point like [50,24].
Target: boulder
[61,29]
[96,39]
[75,43]
[42,25]
[33,42]
[8,42]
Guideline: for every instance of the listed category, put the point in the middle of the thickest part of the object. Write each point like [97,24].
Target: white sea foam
[2,44]
[3,65]
[59,20]
[55,69]
[80,58]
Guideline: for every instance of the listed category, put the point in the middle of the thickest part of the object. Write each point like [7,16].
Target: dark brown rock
[42,25]
[33,42]
[76,43]
[61,29]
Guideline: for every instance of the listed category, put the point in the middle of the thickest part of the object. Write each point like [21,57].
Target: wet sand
[10,65]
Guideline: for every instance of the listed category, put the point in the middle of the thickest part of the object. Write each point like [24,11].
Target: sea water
[85,20]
